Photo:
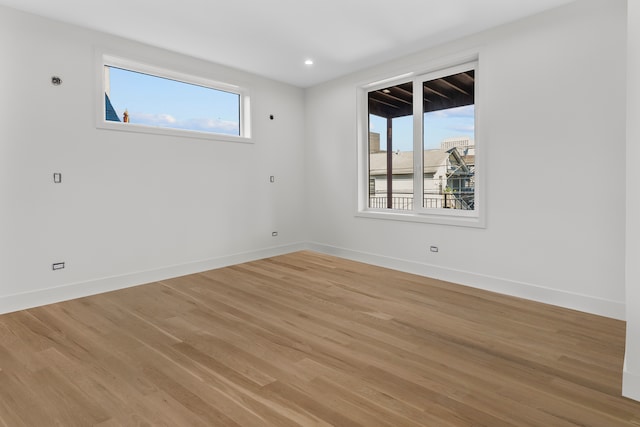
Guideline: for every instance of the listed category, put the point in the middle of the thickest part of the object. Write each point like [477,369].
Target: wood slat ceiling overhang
[439,94]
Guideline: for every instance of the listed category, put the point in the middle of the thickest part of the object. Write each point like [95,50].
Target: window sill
[182,133]
[426,218]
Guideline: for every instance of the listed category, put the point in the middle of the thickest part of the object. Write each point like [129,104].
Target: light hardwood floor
[310,340]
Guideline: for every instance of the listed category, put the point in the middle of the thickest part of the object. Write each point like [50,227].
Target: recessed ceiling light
[308,62]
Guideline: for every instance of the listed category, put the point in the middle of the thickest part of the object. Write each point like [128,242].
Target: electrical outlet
[58,266]
[433,248]
[274,234]
[57,178]
[272,178]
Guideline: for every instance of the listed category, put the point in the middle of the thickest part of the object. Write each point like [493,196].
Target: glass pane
[448,142]
[391,147]
[148,100]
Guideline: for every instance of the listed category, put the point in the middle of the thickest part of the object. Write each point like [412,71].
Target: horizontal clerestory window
[142,98]
[418,147]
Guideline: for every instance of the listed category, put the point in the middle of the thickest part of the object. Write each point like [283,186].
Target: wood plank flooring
[310,340]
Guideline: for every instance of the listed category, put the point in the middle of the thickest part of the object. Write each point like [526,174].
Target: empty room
[354,213]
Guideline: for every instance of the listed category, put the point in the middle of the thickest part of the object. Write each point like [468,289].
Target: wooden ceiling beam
[427,88]
[387,95]
[382,102]
[451,85]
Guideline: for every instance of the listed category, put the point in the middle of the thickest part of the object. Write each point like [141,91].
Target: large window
[141,98]
[420,147]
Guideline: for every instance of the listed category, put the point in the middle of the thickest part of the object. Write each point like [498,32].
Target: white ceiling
[273,38]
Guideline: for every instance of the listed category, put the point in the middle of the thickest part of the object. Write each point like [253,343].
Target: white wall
[132,207]
[552,116]
[631,378]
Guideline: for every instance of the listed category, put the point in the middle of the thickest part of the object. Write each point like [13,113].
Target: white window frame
[104,59]
[456,217]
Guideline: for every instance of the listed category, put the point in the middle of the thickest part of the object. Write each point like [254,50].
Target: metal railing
[461,201]
[402,203]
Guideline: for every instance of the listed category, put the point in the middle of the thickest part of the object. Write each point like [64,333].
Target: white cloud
[458,112]
[211,125]
[199,124]
[152,119]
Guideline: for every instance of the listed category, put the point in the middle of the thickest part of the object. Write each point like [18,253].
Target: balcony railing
[402,203]
[460,201]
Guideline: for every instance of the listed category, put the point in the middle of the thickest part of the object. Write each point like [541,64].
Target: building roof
[111,114]
[403,162]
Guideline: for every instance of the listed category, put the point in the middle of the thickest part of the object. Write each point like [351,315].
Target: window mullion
[418,157]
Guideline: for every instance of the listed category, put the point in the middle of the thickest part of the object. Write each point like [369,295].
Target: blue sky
[162,102]
[438,125]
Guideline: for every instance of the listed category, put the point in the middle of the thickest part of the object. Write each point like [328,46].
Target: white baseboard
[602,307]
[559,298]
[630,384]
[67,292]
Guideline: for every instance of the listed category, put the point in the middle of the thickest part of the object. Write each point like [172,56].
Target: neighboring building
[464,144]
[466,148]
[110,112]
[448,179]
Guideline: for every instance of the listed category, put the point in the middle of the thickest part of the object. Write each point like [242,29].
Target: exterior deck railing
[447,200]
